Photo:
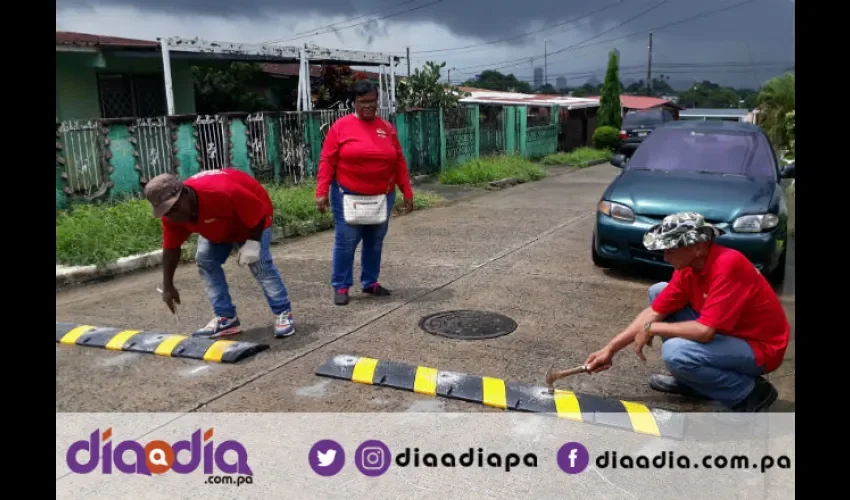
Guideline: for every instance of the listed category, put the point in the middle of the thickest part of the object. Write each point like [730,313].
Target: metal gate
[85,172]
[491,130]
[153,147]
[212,140]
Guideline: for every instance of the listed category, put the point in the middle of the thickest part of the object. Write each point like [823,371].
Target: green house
[108,77]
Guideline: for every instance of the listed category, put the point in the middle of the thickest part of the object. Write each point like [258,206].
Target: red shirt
[230,204]
[365,157]
[732,297]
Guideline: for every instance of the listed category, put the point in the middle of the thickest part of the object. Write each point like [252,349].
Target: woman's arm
[327,162]
[401,173]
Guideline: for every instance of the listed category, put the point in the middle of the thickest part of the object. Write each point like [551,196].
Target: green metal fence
[111,159]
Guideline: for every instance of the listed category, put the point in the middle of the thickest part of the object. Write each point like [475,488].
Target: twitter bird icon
[326,458]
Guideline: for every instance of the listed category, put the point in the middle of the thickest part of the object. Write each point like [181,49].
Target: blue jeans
[211,256]
[346,239]
[723,369]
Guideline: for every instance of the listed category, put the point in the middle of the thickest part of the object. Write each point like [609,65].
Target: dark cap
[162,192]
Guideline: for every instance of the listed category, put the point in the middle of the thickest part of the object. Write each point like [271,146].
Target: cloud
[735,50]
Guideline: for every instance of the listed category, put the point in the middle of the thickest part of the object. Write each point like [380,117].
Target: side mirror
[618,160]
[788,170]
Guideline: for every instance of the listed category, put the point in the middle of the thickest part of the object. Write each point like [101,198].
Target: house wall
[76,82]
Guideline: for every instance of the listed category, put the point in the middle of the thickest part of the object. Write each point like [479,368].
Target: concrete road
[523,252]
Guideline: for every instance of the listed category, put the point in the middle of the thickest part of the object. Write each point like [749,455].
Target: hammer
[552,375]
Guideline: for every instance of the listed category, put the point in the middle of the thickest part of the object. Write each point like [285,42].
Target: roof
[719,112]
[643,102]
[480,96]
[71,38]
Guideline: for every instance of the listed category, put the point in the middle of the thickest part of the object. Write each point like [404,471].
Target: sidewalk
[522,252]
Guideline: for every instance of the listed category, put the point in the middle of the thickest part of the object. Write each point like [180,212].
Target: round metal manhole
[468,325]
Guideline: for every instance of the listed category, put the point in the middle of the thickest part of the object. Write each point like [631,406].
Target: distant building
[538,77]
[561,83]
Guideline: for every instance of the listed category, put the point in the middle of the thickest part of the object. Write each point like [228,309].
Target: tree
[775,100]
[610,109]
[423,90]
[334,86]
[229,88]
[494,80]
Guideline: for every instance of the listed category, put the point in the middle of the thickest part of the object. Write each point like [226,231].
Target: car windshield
[707,152]
[643,118]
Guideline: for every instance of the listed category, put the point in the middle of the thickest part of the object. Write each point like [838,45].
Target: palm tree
[775,101]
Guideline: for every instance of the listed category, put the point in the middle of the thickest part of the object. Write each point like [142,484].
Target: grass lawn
[102,233]
[494,168]
[577,157]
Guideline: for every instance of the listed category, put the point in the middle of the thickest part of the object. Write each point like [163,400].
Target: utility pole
[649,69]
[408,61]
[545,62]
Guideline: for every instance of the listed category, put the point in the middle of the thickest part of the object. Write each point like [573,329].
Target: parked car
[726,171]
[637,125]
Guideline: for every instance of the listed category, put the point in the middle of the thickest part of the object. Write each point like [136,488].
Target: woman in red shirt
[361,164]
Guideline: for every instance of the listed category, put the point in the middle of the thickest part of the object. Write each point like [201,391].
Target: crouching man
[721,324]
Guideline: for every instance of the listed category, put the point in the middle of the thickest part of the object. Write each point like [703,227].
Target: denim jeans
[723,369]
[346,239]
[211,256]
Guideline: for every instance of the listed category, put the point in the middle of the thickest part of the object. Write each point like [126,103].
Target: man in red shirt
[721,324]
[227,208]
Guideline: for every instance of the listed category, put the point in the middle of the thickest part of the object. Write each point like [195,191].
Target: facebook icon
[573,458]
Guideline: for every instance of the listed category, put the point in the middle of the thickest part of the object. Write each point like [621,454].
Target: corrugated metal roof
[643,102]
[89,40]
[479,96]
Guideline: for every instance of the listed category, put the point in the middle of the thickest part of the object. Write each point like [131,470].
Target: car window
[717,152]
[632,120]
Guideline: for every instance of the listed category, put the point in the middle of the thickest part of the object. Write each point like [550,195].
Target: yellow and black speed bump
[497,393]
[162,344]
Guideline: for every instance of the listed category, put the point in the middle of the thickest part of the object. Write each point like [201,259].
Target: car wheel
[598,260]
[777,276]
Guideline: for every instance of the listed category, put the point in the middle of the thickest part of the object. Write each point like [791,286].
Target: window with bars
[131,95]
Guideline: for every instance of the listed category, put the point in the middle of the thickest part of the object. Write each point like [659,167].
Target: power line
[342,22]
[582,45]
[522,35]
[435,2]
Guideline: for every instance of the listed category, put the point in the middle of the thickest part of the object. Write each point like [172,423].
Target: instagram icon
[372,458]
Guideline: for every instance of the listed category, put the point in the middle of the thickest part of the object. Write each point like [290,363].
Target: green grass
[484,170]
[98,234]
[577,157]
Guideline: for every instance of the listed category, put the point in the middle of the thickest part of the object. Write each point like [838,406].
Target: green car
[726,171]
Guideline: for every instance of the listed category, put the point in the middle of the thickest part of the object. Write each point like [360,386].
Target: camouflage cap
[162,192]
[680,230]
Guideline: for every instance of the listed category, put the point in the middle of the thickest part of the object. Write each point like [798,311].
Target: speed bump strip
[497,393]
[162,344]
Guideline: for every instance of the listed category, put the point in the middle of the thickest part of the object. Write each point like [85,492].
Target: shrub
[606,138]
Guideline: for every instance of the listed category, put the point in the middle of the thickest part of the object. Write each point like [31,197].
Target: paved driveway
[523,252]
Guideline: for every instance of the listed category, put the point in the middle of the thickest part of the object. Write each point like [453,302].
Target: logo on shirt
[209,221]
[381,133]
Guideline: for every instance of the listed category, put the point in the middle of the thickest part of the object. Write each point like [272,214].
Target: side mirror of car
[788,171]
[618,160]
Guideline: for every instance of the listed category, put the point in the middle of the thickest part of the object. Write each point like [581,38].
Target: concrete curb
[589,163]
[74,275]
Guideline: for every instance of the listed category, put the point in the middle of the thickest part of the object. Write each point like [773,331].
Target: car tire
[777,276]
[598,260]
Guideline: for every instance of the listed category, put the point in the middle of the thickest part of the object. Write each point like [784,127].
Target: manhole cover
[468,325]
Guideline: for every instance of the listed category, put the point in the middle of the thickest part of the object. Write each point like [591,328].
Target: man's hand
[599,360]
[408,206]
[642,339]
[249,253]
[170,296]
[322,204]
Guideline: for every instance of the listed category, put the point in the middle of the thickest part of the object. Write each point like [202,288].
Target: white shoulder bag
[360,210]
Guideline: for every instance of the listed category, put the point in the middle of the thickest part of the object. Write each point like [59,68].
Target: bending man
[227,208]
